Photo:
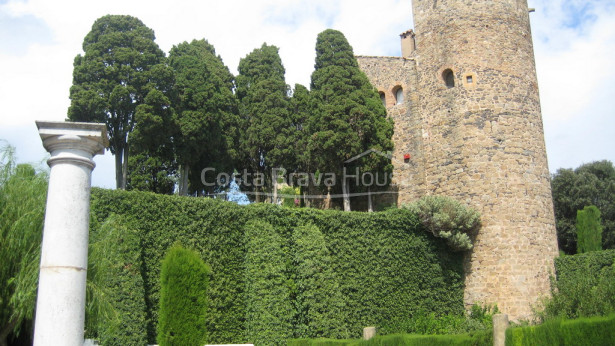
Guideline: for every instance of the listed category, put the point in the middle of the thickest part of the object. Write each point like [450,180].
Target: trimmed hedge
[267,297]
[589,331]
[387,268]
[115,273]
[474,339]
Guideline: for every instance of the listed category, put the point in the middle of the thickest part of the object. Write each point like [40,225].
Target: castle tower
[483,142]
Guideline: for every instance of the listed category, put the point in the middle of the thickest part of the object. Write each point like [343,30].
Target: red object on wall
[406,157]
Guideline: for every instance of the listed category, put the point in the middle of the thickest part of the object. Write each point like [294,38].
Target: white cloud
[575,44]
[574,41]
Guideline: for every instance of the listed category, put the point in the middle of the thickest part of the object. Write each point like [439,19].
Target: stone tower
[469,119]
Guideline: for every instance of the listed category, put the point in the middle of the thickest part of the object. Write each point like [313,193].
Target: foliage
[319,300]
[290,196]
[585,286]
[474,339]
[446,218]
[183,298]
[589,230]
[152,161]
[264,109]
[348,117]
[112,78]
[387,269]
[114,274]
[583,331]
[23,192]
[268,306]
[589,184]
[205,117]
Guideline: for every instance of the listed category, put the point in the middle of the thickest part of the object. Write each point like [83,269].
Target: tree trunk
[125,168]
[183,180]
[6,331]
[346,195]
[118,169]
[370,207]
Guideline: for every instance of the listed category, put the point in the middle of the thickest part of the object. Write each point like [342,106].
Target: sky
[574,42]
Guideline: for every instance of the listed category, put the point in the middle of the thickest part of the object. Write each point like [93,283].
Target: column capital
[74,142]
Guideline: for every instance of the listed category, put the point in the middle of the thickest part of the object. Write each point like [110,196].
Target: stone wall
[480,141]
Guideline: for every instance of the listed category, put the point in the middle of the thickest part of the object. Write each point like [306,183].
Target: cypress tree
[264,109]
[348,117]
[184,278]
[589,230]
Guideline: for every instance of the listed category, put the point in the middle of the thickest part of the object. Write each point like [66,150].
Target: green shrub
[476,339]
[268,307]
[386,267]
[578,332]
[589,230]
[584,286]
[319,300]
[183,298]
[589,331]
[116,309]
[448,219]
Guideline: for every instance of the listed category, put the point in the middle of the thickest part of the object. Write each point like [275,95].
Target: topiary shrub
[183,298]
[448,219]
[267,296]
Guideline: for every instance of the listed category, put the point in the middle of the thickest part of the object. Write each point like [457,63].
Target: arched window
[449,78]
[382,98]
[399,95]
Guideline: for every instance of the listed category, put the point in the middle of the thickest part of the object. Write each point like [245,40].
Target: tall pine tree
[348,117]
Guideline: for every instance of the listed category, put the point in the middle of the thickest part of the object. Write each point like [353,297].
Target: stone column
[60,306]
[500,324]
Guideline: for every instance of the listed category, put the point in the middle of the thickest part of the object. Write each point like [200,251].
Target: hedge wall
[474,339]
[386,267]
[588,331]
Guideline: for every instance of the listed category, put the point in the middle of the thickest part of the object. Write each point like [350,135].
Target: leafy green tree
[320,307]
[112,78]
[264,109]
[23,194]
[206,113]
[184,278]
[348,117]
[299,134]
[268,308]
[589,184]
[589,230]
[152,151]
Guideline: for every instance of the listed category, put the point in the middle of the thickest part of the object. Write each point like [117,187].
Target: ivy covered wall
[374,269]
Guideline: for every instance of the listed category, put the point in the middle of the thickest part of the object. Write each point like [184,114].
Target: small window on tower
[449,78]
[469,79]
[399,95]
[383,98]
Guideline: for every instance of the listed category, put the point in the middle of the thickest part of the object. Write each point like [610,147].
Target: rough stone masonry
[464,97]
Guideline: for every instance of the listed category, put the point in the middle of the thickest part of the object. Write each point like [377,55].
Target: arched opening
[399,95]
[383,98]
[449,78]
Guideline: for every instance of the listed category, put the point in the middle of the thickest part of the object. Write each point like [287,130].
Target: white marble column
[60,306]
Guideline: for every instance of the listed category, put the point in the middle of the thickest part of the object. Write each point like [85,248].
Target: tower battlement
[464,98]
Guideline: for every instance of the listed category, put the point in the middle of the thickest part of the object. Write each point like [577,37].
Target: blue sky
[574,45]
